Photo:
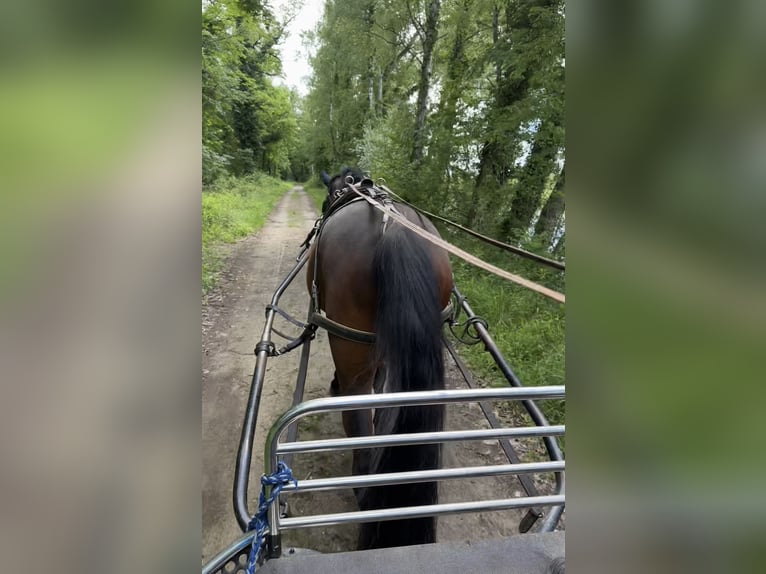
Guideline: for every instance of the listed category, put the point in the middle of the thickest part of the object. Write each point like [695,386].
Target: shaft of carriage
[263,350]
[266,349]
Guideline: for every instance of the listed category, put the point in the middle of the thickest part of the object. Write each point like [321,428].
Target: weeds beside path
[233,208]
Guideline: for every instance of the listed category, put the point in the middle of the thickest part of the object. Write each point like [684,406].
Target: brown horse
[388,281]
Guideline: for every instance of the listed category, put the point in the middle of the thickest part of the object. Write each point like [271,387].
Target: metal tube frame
[551,444]
[300,385]
[265,348]
[324,445]
[424,476]
[316,406]
[262,352]
[420,511]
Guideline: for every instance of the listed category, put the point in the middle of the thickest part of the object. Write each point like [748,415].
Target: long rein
[472,259]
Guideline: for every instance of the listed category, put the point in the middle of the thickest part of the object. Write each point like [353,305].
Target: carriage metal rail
[266,349]
[275,450]
[263,350]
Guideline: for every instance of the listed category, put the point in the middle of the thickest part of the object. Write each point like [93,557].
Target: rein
[439,242]
[517,250]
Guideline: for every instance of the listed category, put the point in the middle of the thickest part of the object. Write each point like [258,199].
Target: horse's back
[346,249]
[344,271]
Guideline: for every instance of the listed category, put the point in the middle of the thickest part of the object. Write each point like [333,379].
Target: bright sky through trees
[295,61]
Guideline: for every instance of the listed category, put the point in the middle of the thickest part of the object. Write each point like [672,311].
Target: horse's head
[336,183]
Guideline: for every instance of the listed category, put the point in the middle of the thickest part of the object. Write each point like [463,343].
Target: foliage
[489,152]
[491,144]
[231,209]
[458,104]
[384,149]
[317,192]
[248,123]
[528,328]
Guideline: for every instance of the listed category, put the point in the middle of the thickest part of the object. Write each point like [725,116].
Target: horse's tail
[408,344]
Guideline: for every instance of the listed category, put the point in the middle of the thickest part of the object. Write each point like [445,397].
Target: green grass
[527,327]
[317,192]
[231,209]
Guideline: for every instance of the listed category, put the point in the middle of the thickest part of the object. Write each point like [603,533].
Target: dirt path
[233,319]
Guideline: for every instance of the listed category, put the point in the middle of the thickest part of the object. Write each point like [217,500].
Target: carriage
[539,548]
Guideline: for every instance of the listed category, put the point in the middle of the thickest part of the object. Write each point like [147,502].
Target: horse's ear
[325,177]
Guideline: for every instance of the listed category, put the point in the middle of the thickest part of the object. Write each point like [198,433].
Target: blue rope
[260,521]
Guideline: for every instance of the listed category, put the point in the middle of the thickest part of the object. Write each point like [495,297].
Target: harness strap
[339,200]
[286,316]
[355,335]
[555,295]
[342,331]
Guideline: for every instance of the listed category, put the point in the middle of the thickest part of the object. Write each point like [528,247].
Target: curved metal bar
[353,402]
[553,517]
[377,441]
[244,452]
[415,398]
[217,563]
[366,480]
[420,511]
[300,384]
[551,444]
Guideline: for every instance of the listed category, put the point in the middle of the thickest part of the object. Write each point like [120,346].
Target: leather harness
[339,200]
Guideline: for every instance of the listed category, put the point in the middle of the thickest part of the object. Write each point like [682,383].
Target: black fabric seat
[540,553]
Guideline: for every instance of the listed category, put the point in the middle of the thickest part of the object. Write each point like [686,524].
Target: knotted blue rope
[260,521]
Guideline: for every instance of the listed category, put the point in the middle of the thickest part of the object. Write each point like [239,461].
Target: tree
[457,103]
[428,35]
[552,211]
[247,123]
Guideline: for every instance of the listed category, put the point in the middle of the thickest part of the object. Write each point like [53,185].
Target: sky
[295,65]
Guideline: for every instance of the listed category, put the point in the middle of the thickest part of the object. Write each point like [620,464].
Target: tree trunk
[371,91]
[447,111]
[558,248]
[368,20]
[333,139]
[490,178]
[429,41]
[496,43]
[532,180]
[380,90]
[512,86]
[552,210]
[497,157]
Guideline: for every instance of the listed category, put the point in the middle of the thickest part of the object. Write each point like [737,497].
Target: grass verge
[527,327]
[317,192]
[233,208]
